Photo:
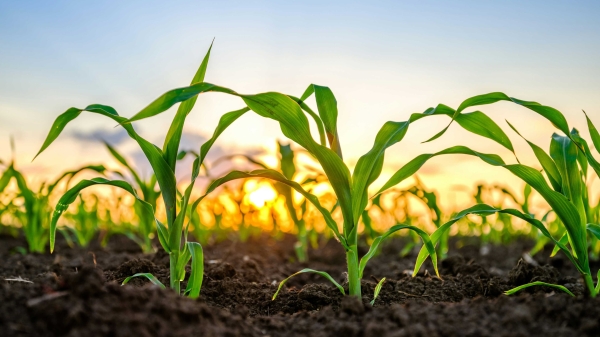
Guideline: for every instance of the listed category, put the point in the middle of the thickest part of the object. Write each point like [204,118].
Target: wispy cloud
[116,137]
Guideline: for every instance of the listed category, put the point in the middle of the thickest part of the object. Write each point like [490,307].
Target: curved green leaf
[164,174]
[149,276]
[415,164]
[294,125]
[378,240]
[197,274]
[546,161]
[327,107]
[308,270]
[551,114]
[71,195]
[539,283]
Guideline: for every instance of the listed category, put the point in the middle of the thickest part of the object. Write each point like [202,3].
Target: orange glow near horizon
[259,193]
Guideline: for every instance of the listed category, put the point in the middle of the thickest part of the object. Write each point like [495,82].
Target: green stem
[302,243]
[590,284]
[174,277]
[353,276]
[443,248]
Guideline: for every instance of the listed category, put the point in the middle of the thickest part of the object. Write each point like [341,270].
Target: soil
[77,292]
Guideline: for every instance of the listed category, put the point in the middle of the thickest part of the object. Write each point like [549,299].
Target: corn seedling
[163,162]
[566,169]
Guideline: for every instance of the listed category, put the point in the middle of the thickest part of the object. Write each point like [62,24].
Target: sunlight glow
[260,193]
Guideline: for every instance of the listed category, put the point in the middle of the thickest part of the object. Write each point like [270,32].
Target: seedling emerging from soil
[163,164]
[566,167]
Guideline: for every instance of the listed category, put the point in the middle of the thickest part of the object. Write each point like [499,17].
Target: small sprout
[149,276]
[377,290]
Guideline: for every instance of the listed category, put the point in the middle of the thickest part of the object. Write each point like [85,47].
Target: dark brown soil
[77,292]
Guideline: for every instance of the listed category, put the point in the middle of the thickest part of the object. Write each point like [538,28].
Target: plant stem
[173,277]
[353,277]
[590,284]
[302,243]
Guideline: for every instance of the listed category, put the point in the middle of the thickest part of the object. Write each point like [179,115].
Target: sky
[382,59]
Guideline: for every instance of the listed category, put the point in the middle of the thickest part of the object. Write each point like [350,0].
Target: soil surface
[77,292]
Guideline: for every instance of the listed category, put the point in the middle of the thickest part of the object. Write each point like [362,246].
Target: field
[77,292]
[310,245]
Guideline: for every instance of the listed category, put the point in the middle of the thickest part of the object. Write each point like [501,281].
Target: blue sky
[383,60]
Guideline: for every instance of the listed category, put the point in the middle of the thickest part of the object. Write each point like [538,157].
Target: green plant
[566,169]
[163,162]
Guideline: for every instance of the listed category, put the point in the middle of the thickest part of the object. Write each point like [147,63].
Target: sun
[260,193]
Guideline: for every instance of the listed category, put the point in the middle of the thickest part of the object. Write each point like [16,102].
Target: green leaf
[551,114]
[164,174]
[314,116]
[369,166]
[546,161]
[593,133]
[294,125]
[327,107]
[564,239]
[149,276]
[173,138]
[415,164]
[239,155]
[594,229]
[378,240]
[564,152]
[197,274]
[377,290]
[307,270]
[71,195]
[172,97]
[288,168]
[538,283]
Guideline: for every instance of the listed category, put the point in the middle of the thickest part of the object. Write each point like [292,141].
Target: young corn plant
[173,237]
[566,168]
